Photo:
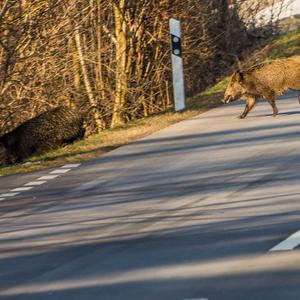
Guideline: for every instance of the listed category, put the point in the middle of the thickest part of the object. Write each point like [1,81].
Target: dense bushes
[109,55]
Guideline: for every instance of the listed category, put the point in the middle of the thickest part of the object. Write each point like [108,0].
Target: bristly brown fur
[46,131]
[266,80]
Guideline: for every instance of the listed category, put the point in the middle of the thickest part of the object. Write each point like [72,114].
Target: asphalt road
[190,212]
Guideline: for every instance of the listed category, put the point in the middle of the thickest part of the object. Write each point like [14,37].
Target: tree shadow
[147,226]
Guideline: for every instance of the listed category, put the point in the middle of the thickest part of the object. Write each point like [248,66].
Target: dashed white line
[48,177]
[22,189]
[30,185]
[35,183]
[60,171]
[289,244]
[9,194]
[71,166]
[195,299]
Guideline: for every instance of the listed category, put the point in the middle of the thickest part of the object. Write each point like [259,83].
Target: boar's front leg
[271,100]
[250,102]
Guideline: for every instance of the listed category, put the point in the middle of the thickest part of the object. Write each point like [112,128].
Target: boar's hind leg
[273,104]
[250,102]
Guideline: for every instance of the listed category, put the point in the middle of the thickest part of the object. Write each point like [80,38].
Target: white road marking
[35,183]
[9,194]
[289,244]
[60,171]
[195,299]
[30,185]
[70,166]
[21,189]
[47,177]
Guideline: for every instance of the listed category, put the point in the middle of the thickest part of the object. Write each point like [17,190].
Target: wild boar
[266,80]
[46,131]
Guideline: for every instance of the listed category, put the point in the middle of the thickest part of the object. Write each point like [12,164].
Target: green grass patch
[285,46]
[217,88]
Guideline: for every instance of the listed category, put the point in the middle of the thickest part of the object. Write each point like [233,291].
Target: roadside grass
[94,146]
[99,144]
[286,45]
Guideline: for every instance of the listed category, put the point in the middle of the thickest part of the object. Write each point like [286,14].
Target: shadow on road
[133,236]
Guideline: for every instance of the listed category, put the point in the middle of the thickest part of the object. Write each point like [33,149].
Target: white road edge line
[22,189]
[9,195]
[35,183]
[70,166]
[195,299]
[60,171]
[28,186]
[47,177]
[289,244]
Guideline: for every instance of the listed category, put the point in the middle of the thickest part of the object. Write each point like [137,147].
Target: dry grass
[96,145]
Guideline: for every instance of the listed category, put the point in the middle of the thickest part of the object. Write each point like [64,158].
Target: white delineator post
[177,65]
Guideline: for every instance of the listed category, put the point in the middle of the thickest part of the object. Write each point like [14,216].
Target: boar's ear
[239,77]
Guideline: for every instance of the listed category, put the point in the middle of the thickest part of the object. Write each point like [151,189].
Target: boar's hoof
[242,117]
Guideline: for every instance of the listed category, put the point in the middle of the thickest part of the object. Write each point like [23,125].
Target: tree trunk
[87,83]
[121,76]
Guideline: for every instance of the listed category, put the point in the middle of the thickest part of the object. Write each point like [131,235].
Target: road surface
[190,212]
